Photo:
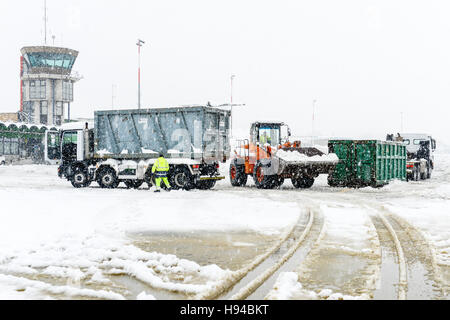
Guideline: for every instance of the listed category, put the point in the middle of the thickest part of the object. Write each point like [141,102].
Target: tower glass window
[50,60]
[67,91]
[38,89]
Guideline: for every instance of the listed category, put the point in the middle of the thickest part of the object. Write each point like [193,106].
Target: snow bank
[287,287]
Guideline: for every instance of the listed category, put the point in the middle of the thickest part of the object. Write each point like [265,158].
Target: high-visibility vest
[160,164]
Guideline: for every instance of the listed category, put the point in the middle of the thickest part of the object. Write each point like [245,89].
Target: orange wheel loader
[269,159]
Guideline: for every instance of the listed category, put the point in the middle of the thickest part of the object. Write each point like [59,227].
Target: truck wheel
[423,175]
[416,173]
[428,172]
[303,182]
[133,184]
[238,178]
[80,178]
[206,185]
[181,178]
[107,179]
[3,163]
[262,181]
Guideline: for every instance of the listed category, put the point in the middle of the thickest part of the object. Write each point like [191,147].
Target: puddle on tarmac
[228,250]
[336,270]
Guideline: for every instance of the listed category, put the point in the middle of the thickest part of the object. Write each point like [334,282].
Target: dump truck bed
[199,133]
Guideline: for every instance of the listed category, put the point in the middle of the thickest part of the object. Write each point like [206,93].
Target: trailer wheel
[238,178]
[303,182]
[278,181]
[181,178]
[133,184]
[107,179]
[80,178]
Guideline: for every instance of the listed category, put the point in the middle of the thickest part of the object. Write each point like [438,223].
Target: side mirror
[289,132]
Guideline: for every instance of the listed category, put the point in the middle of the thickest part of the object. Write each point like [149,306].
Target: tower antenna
[45,22]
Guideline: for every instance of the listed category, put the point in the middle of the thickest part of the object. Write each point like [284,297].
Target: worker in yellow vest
[160,169]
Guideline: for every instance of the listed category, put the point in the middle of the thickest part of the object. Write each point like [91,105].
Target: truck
[122,145]
[420,149]
[270,158]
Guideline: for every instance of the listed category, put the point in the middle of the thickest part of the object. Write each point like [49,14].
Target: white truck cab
[420,148]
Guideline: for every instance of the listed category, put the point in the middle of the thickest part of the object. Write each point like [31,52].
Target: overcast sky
[364,61]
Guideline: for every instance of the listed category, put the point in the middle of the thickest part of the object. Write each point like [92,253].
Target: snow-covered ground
[50,230]
[60,242]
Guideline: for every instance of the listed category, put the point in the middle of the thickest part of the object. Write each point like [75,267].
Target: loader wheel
[107,179]
[80,178]
[303,182]
[181,178]
[263,181]
[133,184]
[238,178]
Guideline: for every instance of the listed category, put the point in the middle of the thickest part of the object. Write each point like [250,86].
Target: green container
[367,163]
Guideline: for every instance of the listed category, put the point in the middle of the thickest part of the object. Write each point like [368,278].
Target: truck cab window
[53,146]
[69,146]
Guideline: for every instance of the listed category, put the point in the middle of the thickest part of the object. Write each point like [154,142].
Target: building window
[44,112]
[67,91]
[59,108]
[38,89]
[24,92]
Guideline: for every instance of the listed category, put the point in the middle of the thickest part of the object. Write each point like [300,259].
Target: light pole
[312,126]
[401,121]
[139,44]
[232,78]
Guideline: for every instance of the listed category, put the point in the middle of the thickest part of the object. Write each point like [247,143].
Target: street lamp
[139,44]
[312,126]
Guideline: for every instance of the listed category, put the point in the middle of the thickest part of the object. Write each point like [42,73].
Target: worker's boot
[157,191]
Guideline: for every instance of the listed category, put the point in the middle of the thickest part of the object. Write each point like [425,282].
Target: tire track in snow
[418,273]
[263,277]
[258,283]
[383,227]
[223,287]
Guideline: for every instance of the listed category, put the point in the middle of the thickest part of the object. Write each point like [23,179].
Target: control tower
[46,88]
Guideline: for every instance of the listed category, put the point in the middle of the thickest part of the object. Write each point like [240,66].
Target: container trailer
[367,163]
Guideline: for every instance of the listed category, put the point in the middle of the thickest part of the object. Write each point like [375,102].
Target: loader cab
[266,133]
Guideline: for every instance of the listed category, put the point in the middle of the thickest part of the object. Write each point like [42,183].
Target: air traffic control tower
[47,81]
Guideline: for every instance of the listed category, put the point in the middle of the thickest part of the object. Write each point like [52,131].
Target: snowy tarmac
[57,242]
